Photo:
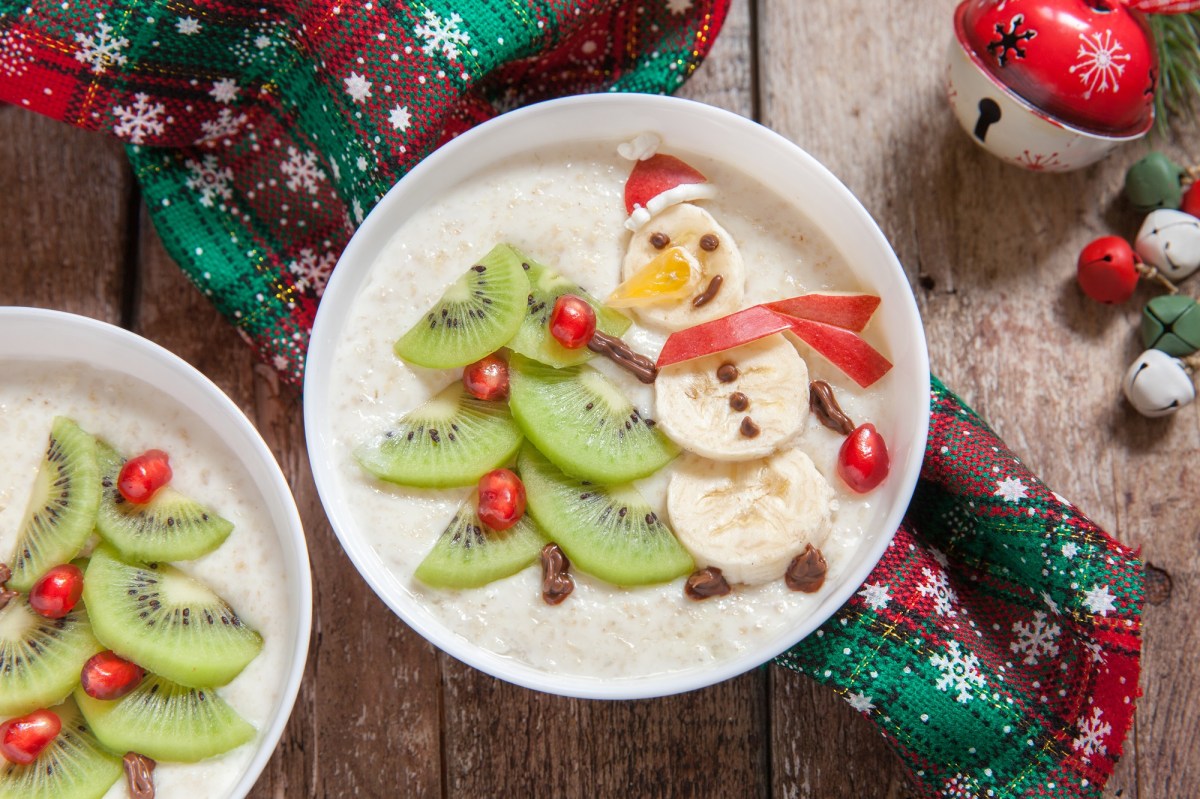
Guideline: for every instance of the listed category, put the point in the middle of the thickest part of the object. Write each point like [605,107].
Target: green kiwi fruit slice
[165,621]
[62,506]
[170,526]
[533,340]
[476,316]
[584,424]
[451,440]
[40,658]
[609,532]
[73,766]
[469,554]
[166,721]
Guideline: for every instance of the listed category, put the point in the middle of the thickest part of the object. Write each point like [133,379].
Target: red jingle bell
[1107,270]
[1191,200]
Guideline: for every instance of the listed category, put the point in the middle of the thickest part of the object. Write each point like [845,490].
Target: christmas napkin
[996,644]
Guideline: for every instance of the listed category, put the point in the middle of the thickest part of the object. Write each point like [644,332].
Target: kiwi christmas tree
[105,648]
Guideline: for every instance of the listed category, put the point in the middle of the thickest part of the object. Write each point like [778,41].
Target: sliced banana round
[749,519]
[735,405]
[691,227]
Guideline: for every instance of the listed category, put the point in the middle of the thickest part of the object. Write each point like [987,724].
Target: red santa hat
[658,181]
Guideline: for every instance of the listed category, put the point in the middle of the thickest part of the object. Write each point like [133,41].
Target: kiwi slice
[170,526]
[165,621]
[476,316]
[40,658]
[607,531]
[73,766]
[469,554]
[166,721]
[451,440]
[533,340]
[62,506]
[584,424]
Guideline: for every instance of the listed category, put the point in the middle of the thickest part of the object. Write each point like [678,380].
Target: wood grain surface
[990,253]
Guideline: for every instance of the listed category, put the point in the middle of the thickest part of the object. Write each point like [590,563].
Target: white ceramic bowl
[56,339]
[685,128]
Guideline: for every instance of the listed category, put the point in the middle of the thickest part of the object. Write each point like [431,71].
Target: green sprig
[1178,38]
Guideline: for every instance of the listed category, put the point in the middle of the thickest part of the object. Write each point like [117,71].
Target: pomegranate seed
[143,475]
[863,459]
[572,322]
[1107,270]
[501,499]
[487,378]
[56,593]
[107,675]
[23,739]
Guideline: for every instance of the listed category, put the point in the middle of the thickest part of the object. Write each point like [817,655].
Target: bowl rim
[960,36]
[353,268]
[252,450]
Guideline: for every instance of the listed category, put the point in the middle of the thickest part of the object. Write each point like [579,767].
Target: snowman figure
[1169,240]
[1157,384]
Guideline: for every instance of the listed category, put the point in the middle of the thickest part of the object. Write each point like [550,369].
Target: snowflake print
[1100,600]
[100,49]
[400,118]
[15,54]
[261,41]
[361,163]
[1038,162]
[1010,40]
[302,171]
[876,595]
[960,671]
[188,26]
[1091,735]
[1070,550]
[358,87]
[1035,639]
[441,34]
[312,271]
[679,6]
[860,702]
[139,120]
[1100,61]
[1010,490]
[209,179]
[358,212]
[224,90]
[960,786]
[938,587]
[1096,650]
[223,126]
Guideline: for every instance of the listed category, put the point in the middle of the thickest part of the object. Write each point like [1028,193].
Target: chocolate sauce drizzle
[557,584]
[825,405]
[706,296]
[619,353]
[139,774]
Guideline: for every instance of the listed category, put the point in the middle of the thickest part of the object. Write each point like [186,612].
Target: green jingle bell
[1171,323]
[1155,182]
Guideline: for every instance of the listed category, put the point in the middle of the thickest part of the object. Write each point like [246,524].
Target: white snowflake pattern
[679,6]
[860,702]
[312,270]
[1100,600]
[358,87]
[100,49]
[262,40]
[15,54]
[1070,550]
[938,587]
[188,26]
[1096,650]
[209,179]
[358,211]
[400,118]
[223,126]
[960,671]
[1091,735]
[442,35]
[140,119]
[961,786]
[1035,639]
[361,163]
[1010,490]
[224,90]
[302,171]
[1100,62]
[876,595]
[1050,603]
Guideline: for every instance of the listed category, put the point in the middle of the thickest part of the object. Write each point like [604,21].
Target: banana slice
[703,405]
[686,225]
[749,519]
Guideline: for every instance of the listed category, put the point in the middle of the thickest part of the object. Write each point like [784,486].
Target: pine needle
[1178,38]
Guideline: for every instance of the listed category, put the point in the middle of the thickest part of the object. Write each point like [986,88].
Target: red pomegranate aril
[107,675]
[572,322]
[57,592]
[863,460]
[142,476]
[23,739]
[501,499]
[487,378]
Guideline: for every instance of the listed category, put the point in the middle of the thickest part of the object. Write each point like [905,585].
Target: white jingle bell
[1170,241]
[1158,385]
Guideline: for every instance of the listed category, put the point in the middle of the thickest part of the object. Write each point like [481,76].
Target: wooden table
[990,252]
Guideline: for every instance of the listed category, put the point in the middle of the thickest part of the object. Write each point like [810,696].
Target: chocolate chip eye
[659,240]
[709,242]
